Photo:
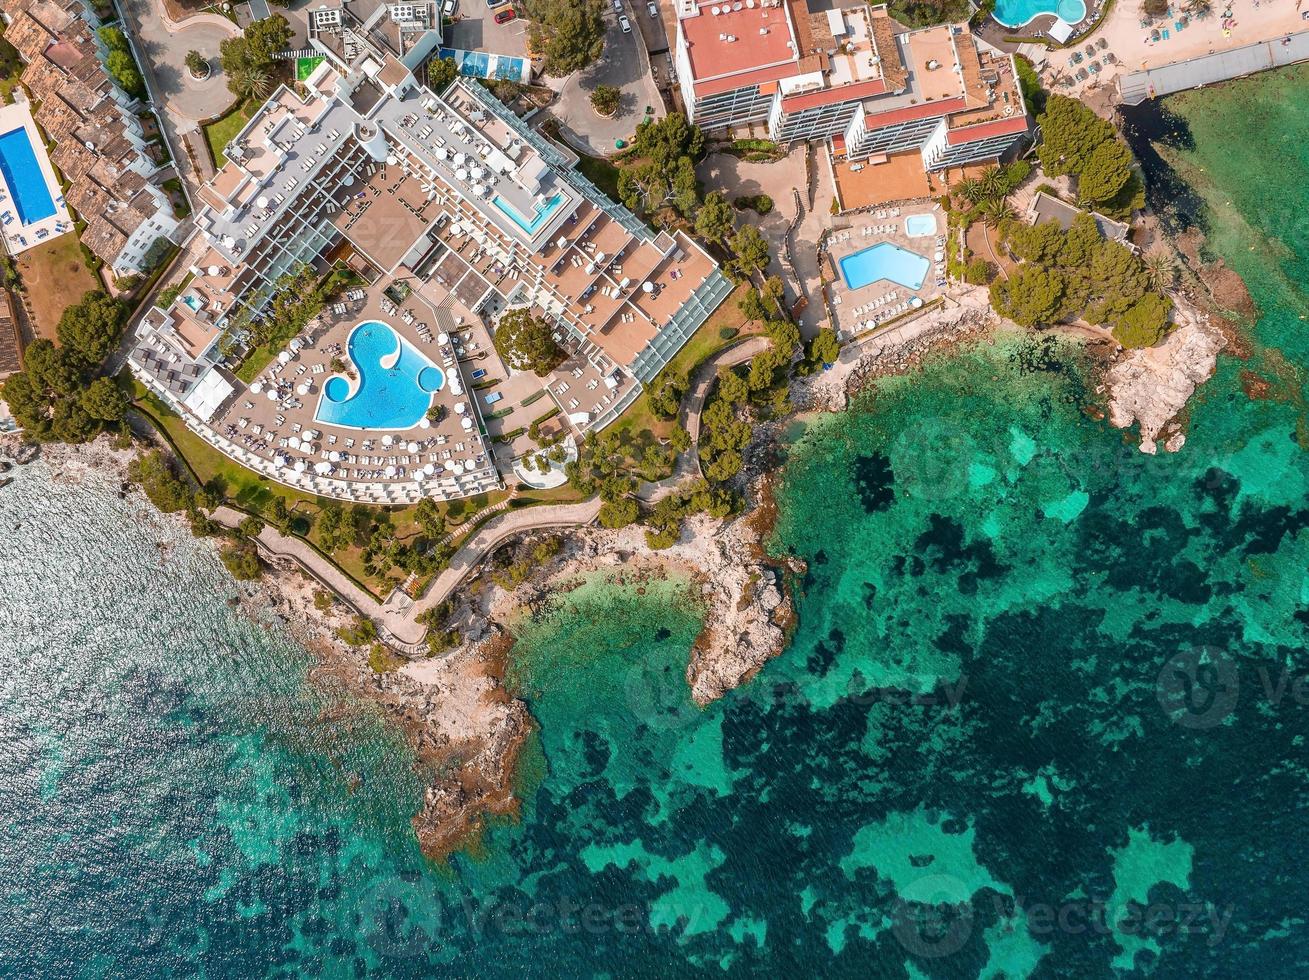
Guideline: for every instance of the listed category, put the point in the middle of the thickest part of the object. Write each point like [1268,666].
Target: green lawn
[600,172]
[254,362]
[220,132]
[704,344]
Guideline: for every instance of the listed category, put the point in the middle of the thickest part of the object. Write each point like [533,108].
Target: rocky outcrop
[1151,386]
[748,614]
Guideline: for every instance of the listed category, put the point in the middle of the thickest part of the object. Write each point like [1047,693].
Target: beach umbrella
[424,423]
[390,471]
[429,469]
[387,440]
[450,464]
[284,357]
[412,447]
[300,466]
[443,338]
[294,442]
[257,387]
[303,388]
[466,423]
[272,395]
[460,408]
[647,287]
[309,433]
[323,467]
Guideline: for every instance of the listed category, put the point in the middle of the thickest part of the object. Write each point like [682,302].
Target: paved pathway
[624,65]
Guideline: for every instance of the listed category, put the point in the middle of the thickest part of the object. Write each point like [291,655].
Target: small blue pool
[1016,13]
[395,385]
[529,225]
[885,261]
[920,225]
[22,173]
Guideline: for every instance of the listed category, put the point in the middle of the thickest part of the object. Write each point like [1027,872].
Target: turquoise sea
[1045,713]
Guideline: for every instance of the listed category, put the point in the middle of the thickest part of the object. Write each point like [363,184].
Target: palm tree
[970,189]
[997,211]
[1199,8]
[250,83]
[1161,270]
[992,181]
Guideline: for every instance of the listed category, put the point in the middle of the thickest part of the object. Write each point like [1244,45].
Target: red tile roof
[999,127]
[711,57]
[876,120]
[716,86]
[831,96]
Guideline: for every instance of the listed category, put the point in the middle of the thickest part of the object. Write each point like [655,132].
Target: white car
[618,6]
[449,9]
[653,8]
[625,24]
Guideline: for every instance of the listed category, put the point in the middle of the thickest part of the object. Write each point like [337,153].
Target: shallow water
[1044,713]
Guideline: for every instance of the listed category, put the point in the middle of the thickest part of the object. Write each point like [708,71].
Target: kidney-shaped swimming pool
[393,390]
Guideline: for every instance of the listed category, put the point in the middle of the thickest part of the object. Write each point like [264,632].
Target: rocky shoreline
[466,728]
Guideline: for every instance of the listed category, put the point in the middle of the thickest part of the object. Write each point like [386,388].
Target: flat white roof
[208,394]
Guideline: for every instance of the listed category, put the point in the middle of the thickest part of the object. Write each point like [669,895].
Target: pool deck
[255,430]
[18,238]
[858,310]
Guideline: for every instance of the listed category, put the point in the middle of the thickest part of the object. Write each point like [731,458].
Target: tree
[429,516]
[249,82]
[158,481]
[751,251]
[360,633]
[440,73]
[666,394]
[1031,297]
[526,344]
[1105,174]
[1070,134]
[605,99]
[970,189]
[242,559]
[196,63]
[996,212]
[1144,324]
[104,400]
[122,68]
[255,51]
[91,327]
[824,348]
[1161,269]
[567,34]
[619,513]
[1154,8]
[714,222]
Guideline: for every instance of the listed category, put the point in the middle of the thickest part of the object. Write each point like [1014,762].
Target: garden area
[223,130]
[55,276]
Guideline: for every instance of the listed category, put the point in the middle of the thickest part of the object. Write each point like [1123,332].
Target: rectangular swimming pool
[529,225]
[885,261]
[22,173]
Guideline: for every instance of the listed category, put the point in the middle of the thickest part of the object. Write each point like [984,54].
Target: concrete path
[702,379]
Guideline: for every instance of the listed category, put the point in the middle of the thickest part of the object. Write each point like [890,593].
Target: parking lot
[475,29]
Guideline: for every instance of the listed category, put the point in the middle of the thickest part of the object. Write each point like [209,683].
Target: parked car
[496,3]
[625,24]
[448,10]
[506,15]
[653,8]
[618,6]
